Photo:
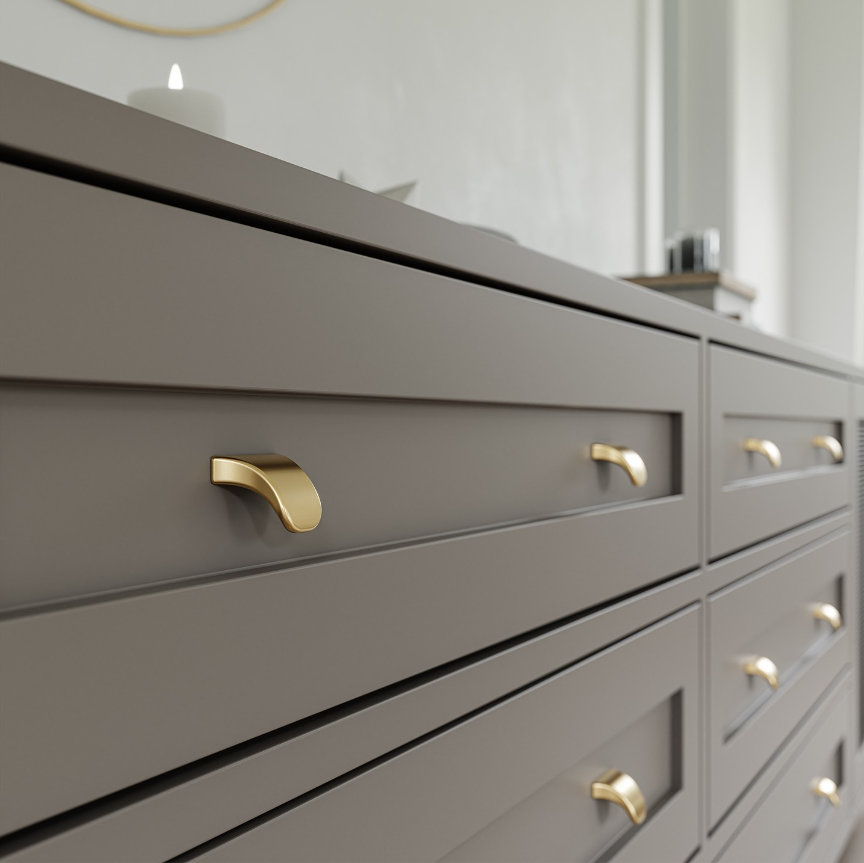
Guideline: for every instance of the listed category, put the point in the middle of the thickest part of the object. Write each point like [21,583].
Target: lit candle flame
[175,79]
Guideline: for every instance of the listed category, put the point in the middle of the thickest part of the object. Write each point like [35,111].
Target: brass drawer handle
[762,666]
[766,448]
[825,611]
[619,788]
[281,482]
[822,786]
[624,457]
[825,441]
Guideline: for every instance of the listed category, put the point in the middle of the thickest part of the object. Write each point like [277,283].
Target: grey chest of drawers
[585,584]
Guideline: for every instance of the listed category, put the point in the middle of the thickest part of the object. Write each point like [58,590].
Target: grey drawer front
[752,397]
[552,826]
[131,501]
[291,763]
[537,751]
[791,824]
[770,614]
[190,670]
[207,303]
[319,321]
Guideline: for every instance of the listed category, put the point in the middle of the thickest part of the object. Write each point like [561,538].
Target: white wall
[728,131]
[764,114]
[704,108]
[548,119]
[858,318]
[826,113]
[759,155]
[726,105]
[524,116]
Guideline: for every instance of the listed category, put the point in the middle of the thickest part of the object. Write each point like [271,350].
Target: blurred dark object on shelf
[694,251]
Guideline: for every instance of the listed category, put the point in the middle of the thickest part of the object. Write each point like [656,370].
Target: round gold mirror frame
[172,31]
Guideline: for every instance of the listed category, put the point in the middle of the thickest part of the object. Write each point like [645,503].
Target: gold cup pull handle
[766,448]
[621,789]
[624,457]
[281,482]
[825,611]
[825,441]
[762,666]
[822,786]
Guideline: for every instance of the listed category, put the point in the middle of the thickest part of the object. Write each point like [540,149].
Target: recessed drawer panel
[799,818]
[555,824]
[130,501]
[777,640]
[515,781]
[778,455]
[793,439]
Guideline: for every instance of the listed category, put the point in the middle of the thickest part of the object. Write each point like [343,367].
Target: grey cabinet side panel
[856,441]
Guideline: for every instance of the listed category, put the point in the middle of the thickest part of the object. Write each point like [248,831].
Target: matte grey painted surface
[189,309]
[793,437]
[427,801]
[791,824]
[56,121]
[756,397]
[736,566]
[191,669]
[147,829]
[770,614]
[713,844]
[558,823]
[130,474]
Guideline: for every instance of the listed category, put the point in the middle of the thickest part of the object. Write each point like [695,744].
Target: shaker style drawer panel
[794,440]
[801,815]
[246,341]
[191,670]
[302,757]
[131,502]
[554,824]
[515,782]
[777,448]
[777,640]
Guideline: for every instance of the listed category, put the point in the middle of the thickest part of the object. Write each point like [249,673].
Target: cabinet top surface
[52,126]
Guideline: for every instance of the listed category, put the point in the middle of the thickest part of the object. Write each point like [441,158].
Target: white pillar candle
[195,108]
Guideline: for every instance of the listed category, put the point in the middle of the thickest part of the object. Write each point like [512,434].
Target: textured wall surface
[519,116]
[825,139]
